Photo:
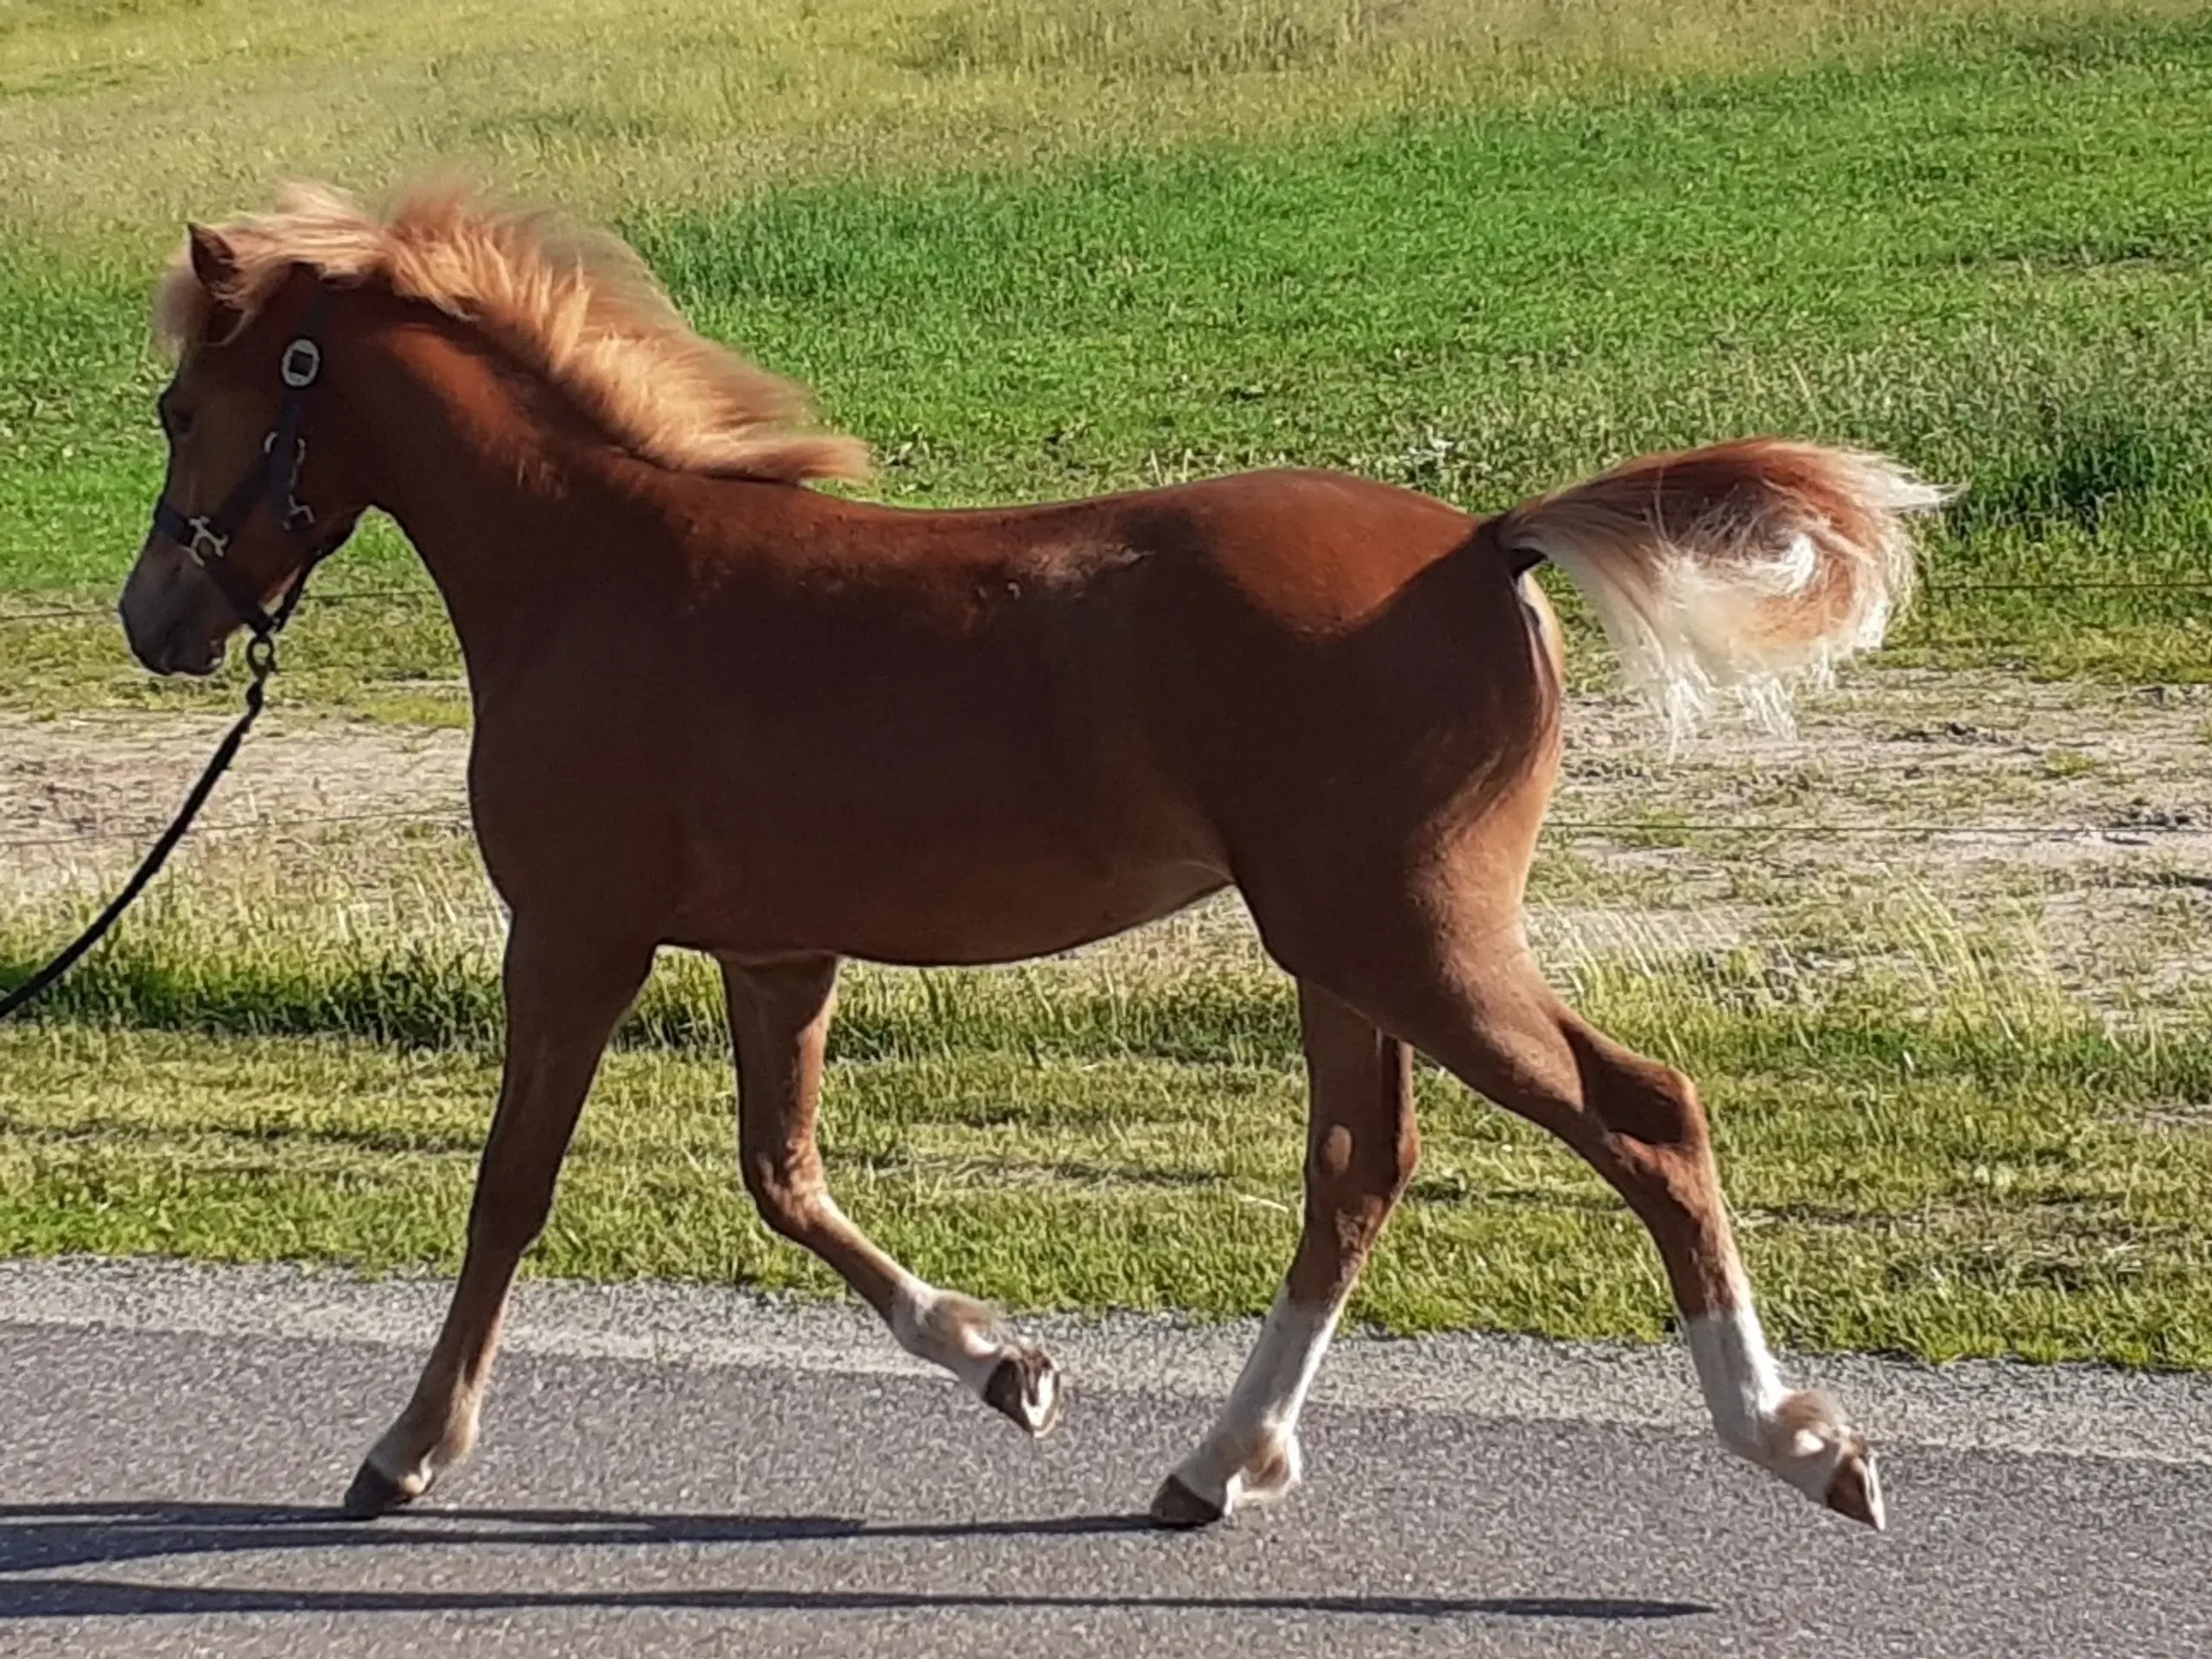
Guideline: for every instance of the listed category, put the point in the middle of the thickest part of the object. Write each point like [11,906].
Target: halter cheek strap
[207,536]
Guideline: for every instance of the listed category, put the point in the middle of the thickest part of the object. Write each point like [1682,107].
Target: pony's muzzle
[174,616]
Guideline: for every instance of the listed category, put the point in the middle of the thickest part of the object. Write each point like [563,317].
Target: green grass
[1048,247]
[1929,1150]
[1931,1191]
[1992,262]
[106,128]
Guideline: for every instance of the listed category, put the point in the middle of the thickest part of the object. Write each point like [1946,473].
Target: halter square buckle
[302,362]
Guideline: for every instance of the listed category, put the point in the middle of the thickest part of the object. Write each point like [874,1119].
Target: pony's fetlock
[1806,1442]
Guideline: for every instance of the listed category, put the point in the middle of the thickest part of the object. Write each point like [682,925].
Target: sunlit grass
[1057,246]
[1934,1152]
[2003,283]
[118,119]
[1934,1145]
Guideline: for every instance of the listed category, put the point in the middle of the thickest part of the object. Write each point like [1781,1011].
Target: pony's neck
[491,483]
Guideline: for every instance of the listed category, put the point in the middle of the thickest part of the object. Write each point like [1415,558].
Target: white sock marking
[1260,1415]
[1801,1441]
[1742,1387]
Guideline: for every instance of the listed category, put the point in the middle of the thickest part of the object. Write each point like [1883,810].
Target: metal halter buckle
[302,362]
[206,545]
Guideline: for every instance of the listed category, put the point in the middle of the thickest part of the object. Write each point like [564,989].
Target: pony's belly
[939,915]
[1014,931]
[1008,845]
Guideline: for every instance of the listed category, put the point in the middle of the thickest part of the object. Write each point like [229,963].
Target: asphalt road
[680,1471]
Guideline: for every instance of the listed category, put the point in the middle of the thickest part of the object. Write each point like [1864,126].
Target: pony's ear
[214,261]
[218,316]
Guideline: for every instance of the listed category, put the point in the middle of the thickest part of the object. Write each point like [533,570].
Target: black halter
[207,539]
[207,536]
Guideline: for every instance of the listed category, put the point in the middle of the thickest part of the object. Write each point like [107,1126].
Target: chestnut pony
[717,709]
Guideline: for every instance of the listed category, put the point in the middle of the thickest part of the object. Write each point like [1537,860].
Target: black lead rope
[207,539]
[262,657]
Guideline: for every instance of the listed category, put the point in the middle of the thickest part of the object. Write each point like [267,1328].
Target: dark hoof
[1025,1386]
[1856,1491]
[1176,1505]
[374,1493]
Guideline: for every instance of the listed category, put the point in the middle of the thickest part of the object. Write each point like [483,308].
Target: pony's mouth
[181,649]
[173,616]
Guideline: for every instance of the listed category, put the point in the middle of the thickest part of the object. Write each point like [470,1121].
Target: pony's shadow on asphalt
[39,1540]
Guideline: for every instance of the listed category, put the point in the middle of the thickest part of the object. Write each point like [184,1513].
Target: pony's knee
[508,1223]
[1644,1101]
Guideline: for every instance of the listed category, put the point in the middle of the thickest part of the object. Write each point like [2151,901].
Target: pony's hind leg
[1491,1018]
[564,997]
[1362,1146]
[779,1023]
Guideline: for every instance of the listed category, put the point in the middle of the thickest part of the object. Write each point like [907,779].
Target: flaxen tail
[1744,568]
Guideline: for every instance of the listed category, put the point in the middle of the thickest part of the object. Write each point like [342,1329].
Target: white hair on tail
[1746,569]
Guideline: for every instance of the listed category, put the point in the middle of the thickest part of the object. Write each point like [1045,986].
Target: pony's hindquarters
[1386,870]
[1739,567]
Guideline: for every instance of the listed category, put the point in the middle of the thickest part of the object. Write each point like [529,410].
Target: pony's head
[249,499]
[246,509]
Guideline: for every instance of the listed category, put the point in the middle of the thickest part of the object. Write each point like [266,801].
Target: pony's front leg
[564,994]
[779,1023]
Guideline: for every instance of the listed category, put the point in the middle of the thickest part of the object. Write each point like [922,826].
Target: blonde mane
[577,306]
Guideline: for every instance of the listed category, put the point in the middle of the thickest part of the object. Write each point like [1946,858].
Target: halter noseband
[207,536]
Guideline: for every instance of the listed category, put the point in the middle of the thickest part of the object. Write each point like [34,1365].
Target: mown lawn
[1927,1153]
[1051,247]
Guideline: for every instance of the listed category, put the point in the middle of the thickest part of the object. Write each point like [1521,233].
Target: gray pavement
[673,1470]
